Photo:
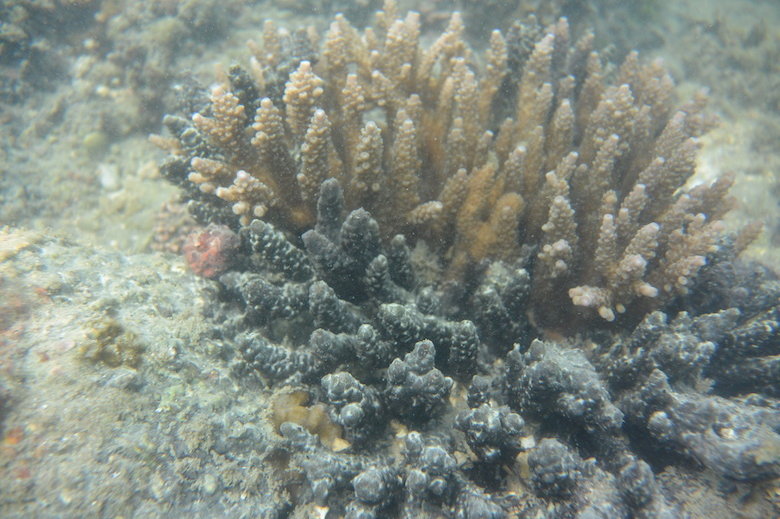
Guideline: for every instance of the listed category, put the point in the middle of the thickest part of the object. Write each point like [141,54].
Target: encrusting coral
[551,197]
[443,145]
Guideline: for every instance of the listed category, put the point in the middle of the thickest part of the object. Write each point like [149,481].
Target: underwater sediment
[484,272]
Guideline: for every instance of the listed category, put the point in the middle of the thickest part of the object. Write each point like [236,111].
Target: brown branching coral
[445,145]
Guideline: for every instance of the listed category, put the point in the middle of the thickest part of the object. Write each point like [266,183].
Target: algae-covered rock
[111,344]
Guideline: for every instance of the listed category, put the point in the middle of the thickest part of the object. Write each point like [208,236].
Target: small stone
[209,484]
[108,174]
[95,143]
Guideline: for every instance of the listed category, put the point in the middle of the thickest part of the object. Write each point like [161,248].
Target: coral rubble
[550,194]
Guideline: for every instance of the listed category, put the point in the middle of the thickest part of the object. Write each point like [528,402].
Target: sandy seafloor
[83,238]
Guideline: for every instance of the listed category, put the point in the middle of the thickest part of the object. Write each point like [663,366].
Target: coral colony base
[395,230]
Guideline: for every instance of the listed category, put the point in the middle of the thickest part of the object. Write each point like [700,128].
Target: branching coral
[550,191]
[343,319]
[444,145]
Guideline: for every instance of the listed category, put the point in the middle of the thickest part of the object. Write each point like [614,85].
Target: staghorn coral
[542,189]
[576,420]
[321,286]
[475,155]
